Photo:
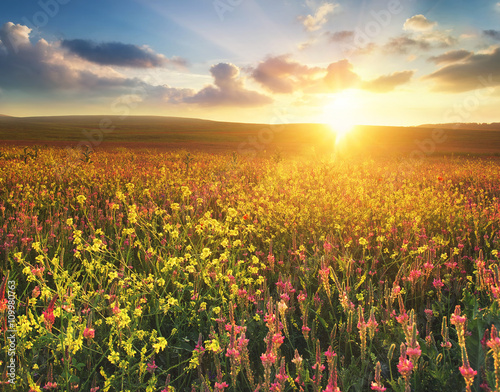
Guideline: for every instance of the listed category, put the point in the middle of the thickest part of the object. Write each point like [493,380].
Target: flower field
[154,271]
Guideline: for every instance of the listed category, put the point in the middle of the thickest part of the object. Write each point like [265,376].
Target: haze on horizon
[379,62]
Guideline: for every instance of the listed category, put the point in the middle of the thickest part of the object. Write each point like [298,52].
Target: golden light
[341,113]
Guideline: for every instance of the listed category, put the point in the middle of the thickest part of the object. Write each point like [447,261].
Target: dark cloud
[495,34]
[340,36]
[42,66]
[53,68]
[478,71]
[450,57]
[228,90]
[386,83]
[280,74]
[117,53]
[404,44]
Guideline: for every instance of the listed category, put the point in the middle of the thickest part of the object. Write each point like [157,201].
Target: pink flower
[467,372]
[456,318]
[437,283]
[330,354]
[378,387]
[50,385]
[405,367]
[219,386]
[269,358]
[278,338]
[151,366]
[89,333]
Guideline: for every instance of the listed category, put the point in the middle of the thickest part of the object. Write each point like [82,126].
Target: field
[172,133]
[157,270]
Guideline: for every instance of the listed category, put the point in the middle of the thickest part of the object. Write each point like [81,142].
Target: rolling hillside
[196,134]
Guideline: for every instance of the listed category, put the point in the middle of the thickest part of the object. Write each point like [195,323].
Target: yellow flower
[212,345]
[205,253]
[114,357]
[160,345]
[81,199]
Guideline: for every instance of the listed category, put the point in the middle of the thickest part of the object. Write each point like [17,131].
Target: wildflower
[205,253]
[151,367]
[405,367]
[494,344]
[377,384]
[372,324]
[220,386]
[437,283]
[160,345]
[81,199]
[48,315]
[468,374]
[268,359]
[89,333]
[362,326]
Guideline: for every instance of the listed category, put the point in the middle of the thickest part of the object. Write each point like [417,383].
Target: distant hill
[196,134]
[472,126]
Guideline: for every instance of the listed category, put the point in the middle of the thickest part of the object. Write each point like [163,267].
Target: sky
[343,62]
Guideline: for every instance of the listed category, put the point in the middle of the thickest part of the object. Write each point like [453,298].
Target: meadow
[141,270]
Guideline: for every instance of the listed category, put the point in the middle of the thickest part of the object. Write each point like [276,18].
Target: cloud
[386,83]
[403,44]
[117,53]
[316,21]
[340,76]
[495,34]
[340,36]
[51,68]
[420,36]
[478,71]
[44,66]
[423,41]
[228,90]
[450,57]
[419,23]
[280,74]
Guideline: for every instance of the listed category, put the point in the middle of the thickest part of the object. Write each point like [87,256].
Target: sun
[341,113]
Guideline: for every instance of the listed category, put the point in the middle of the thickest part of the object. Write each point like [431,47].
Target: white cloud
[320,17]
[419,23]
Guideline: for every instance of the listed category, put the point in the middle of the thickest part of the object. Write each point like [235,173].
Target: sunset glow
[342,114]
[406,62]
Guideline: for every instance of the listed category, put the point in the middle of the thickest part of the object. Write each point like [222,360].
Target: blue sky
[394,62]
